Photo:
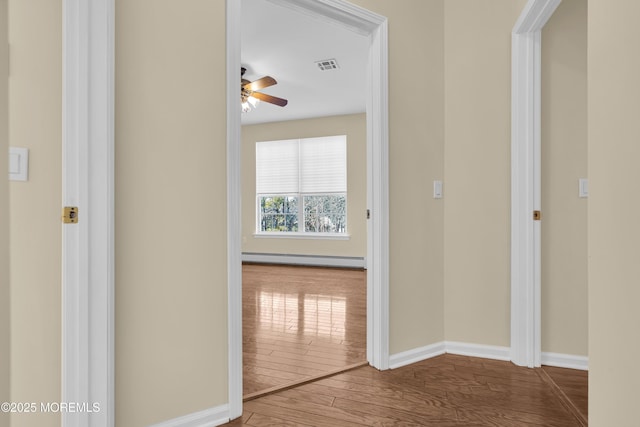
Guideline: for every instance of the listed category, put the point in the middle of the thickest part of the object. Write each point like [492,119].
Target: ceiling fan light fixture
[249,104]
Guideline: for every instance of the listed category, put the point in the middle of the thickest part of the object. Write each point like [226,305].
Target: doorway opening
[526,254]
[304,198]
[374,27]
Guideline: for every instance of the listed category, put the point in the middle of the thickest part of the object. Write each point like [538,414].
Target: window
[301,186]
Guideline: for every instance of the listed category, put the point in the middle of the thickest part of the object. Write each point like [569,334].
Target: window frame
[301,233]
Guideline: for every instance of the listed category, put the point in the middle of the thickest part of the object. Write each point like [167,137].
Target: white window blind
[277,164]
[323,165]
[308,166]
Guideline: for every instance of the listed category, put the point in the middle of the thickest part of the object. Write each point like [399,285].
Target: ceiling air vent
[327,64]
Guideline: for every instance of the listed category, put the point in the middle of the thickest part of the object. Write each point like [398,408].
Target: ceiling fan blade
[260,83]
[270,99]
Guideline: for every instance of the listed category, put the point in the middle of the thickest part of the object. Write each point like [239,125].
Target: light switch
[437,189]
[583,190]
[18,164]
[14,163]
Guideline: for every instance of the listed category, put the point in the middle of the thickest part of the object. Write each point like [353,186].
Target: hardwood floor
[300,323]
[573,384]
[444,391]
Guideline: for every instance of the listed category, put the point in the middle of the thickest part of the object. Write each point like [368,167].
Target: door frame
[354,18]
[88,183]
[526,94]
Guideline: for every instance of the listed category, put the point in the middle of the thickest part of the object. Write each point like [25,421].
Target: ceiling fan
[250,96]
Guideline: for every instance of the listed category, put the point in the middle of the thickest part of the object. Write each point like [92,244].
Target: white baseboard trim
[207,418]
[478,350]
[416,355]
[311,260]
[483,351]
[570,361]
[463,349]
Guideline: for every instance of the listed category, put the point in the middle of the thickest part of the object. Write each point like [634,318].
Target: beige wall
[171,299]
[416,149]
[171,331]
[171,277]
[355,127]
[564,161]
[613,226]
[478,169]
[35,100]
[5,314]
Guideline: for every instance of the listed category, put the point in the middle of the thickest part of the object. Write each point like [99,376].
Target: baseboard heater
[310,260]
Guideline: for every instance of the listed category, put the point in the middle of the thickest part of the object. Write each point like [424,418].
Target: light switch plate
[437,189]
[18,164]
[583,190]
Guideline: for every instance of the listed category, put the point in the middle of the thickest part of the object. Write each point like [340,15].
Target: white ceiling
[285,45]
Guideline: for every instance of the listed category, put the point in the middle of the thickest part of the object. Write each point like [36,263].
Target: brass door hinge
[70,215]
[537,215]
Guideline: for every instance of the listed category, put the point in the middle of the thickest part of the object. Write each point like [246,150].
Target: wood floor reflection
[446,390]
[300,323]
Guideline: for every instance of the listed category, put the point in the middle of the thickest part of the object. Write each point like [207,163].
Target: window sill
[308,236]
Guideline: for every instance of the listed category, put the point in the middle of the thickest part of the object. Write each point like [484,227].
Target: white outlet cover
[18,164]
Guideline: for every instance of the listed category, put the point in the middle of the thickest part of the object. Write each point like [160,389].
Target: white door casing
[88,183]
[526,96]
